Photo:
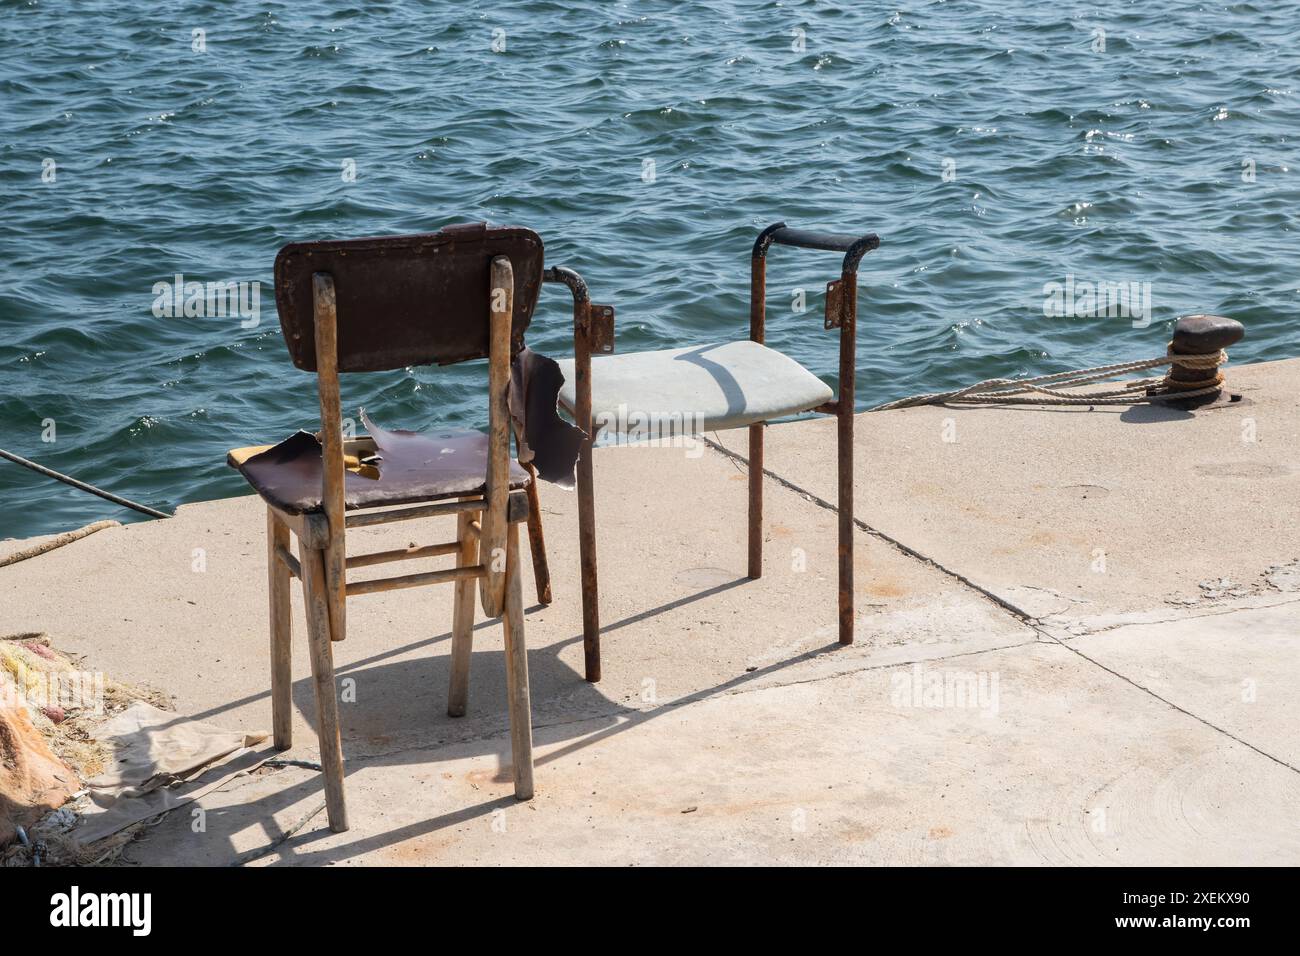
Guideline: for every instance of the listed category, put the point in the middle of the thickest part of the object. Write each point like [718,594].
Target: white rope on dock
[58,541]
[1047,389]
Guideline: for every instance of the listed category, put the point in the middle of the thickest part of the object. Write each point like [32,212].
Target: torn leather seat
[426,468]
[422,466]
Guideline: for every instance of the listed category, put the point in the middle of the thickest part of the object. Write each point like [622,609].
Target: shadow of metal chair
[466,292]
[703,388]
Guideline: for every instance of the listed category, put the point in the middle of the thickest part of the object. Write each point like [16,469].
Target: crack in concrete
[1215,612]
[1182,710]
[1019,613]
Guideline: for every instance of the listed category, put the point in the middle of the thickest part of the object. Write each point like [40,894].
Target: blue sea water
[1110,142]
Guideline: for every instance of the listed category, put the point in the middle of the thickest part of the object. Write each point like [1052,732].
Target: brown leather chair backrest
[406,300]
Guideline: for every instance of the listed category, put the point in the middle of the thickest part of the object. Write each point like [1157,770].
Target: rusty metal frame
[842,314]
[593,330]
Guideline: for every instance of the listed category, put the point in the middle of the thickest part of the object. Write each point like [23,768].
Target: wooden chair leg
[537,541]
[336,581]
[315,593]
[756,500]
[587,560]
[521,721]
[281,617]
[462,620]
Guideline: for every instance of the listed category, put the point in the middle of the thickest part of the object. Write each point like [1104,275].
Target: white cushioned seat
[706,386]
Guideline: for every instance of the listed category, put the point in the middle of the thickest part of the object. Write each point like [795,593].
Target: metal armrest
[595,328]
[841,304]
[841,314]
[853,247]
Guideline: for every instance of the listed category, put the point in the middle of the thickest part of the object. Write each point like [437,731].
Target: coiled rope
[1048,389]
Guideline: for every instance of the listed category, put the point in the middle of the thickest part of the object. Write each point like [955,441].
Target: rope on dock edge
[58,541]
[1046,389]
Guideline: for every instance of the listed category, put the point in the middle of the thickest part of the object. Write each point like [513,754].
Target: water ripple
[992,145]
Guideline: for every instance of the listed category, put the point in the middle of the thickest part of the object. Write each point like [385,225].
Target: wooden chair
[464,293]
[722,385]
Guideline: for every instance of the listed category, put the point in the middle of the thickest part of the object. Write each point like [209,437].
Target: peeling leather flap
[545,439]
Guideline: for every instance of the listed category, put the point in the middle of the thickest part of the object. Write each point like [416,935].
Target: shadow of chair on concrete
[412,695]
[579,732]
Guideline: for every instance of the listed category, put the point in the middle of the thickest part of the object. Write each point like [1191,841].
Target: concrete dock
[1078,639]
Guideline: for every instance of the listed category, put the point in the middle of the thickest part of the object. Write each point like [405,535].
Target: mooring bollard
[1200,335]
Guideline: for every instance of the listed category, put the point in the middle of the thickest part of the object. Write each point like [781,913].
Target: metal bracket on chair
[600,329]
[835,304]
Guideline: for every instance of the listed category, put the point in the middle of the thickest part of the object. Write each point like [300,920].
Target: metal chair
[727,385]
[466,292]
